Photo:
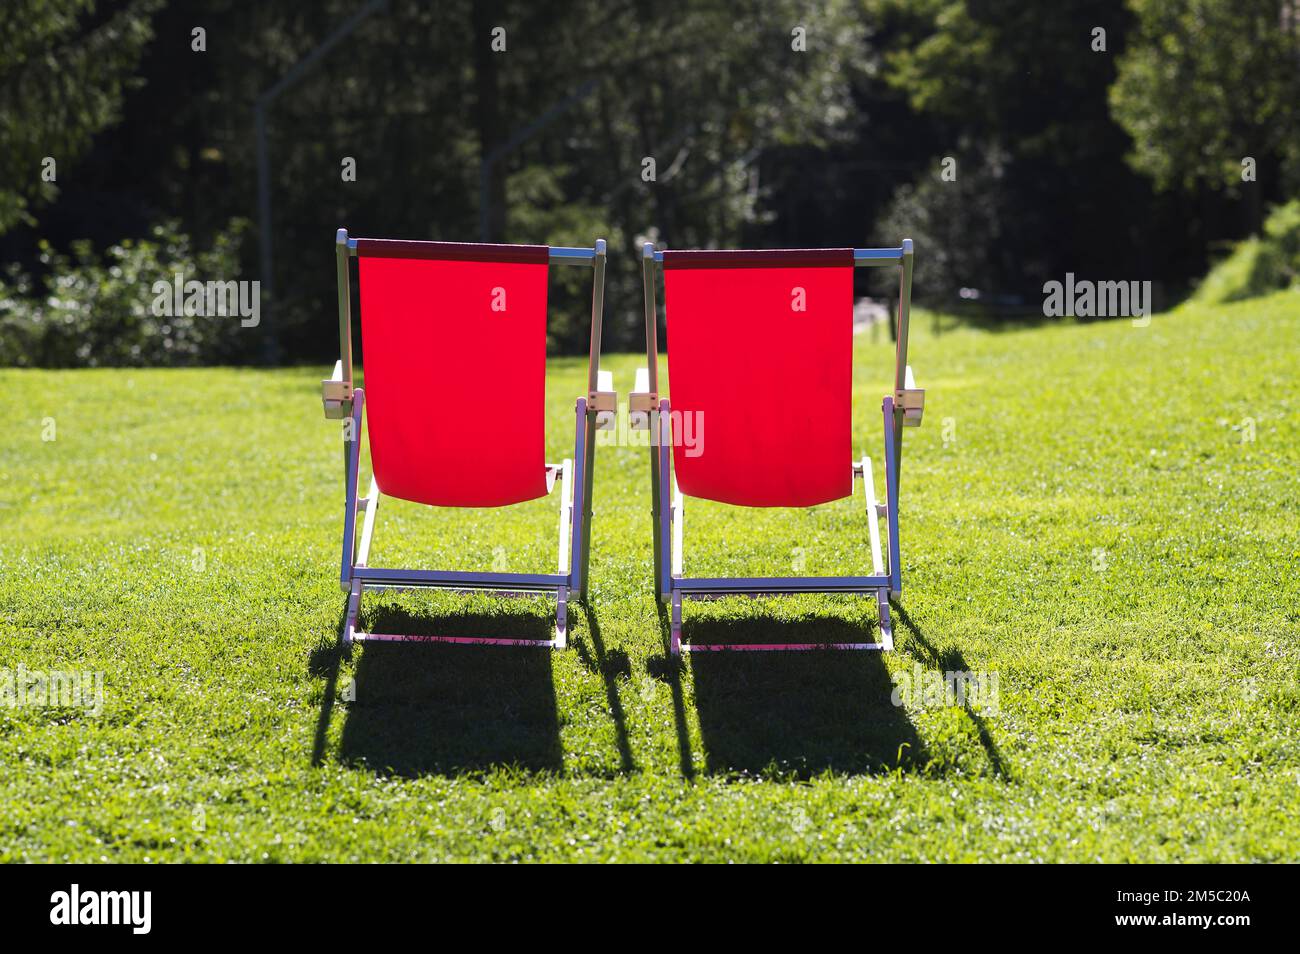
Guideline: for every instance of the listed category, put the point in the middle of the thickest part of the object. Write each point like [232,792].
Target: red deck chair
[760,361]
[436,317]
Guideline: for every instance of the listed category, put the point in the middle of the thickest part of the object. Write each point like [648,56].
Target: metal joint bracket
[675,625]
[561,638]
[337,409]
[354,607]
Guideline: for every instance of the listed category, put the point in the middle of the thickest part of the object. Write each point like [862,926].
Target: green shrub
[1258,265]
[91,309]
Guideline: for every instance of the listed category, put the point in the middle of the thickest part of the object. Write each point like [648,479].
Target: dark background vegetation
[1115,164]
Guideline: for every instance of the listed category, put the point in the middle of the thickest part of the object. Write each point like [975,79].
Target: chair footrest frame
[777,647]
[777,585]
[523,583]
[459,640]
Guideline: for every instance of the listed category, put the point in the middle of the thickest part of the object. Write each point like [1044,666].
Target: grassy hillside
[1107,517]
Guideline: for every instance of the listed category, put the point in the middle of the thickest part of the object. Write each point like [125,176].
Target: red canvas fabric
[769,385]
[455,390]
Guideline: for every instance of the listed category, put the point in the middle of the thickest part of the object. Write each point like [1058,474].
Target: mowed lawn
[1104,517]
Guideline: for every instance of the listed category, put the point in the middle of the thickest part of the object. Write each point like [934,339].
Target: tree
[419,94]
[1208,83]
[1018,92]
[64,71]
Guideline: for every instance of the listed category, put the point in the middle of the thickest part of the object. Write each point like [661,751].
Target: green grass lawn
[1106,517]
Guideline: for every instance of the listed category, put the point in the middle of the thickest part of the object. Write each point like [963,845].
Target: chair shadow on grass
[919,645]
[447,709]
[793,715]
[613,665]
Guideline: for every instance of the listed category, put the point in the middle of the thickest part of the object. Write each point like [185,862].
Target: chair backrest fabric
[454,351]
[760,368]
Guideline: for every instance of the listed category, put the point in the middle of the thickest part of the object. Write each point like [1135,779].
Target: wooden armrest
[336,395]
[604,401]
[641,402]
[911,400]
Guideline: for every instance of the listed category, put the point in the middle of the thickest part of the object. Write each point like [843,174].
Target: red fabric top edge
[452,251]
[759,258]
